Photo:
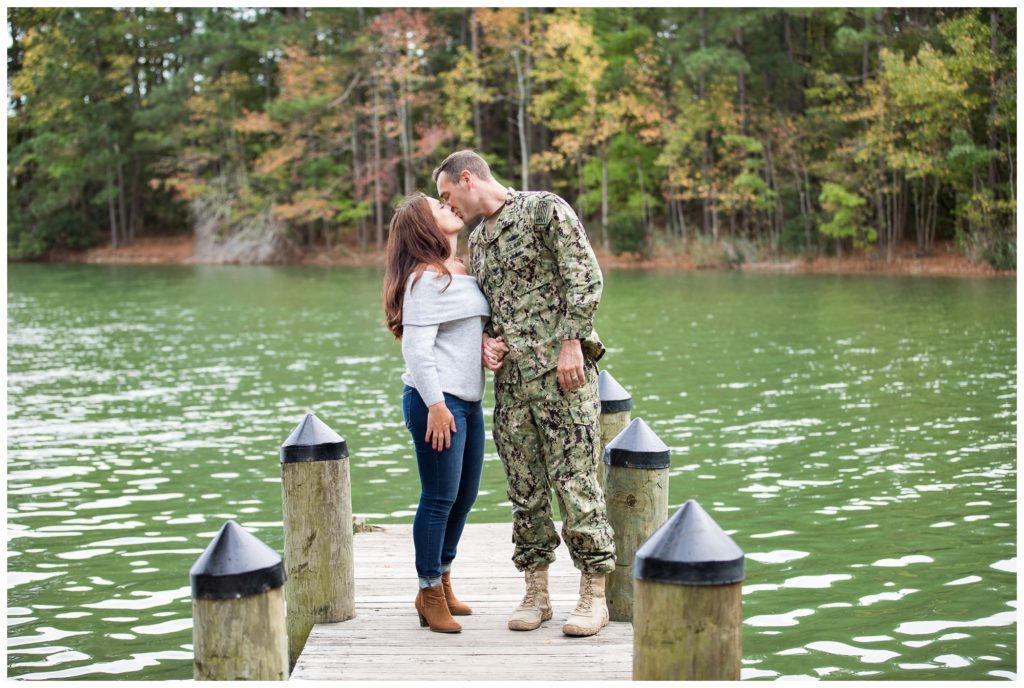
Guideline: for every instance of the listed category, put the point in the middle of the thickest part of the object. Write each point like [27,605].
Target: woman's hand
[440,425]
[493,352]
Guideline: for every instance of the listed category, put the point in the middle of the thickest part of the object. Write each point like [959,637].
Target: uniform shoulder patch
[541,208]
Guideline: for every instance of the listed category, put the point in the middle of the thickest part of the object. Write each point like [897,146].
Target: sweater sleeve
[418,351]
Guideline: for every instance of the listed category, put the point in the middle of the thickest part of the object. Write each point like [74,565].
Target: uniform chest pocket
[518,250]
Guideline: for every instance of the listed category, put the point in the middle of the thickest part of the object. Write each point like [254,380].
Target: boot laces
[586,596]
[532,589]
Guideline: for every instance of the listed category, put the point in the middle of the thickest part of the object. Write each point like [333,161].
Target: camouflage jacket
[538,271]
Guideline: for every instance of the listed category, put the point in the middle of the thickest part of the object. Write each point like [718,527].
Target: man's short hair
[463,160]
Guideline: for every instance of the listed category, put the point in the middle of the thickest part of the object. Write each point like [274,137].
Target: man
[535,265]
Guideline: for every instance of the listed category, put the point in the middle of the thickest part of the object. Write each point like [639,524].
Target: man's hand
[440,426]
[493,352]
[570,365]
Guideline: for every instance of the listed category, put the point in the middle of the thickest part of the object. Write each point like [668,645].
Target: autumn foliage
[743,132]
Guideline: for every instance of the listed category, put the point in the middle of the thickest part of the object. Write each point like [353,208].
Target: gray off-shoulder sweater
[442,332]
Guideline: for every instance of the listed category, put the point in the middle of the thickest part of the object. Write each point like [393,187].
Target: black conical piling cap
[689,549]
[637,447]
[235,564]
[312,440]
[614,399]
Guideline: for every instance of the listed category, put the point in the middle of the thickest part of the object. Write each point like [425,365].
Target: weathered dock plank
[385,642]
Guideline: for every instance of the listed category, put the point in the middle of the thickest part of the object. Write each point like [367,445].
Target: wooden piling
[616,405]
[636,490]
[238,616]
[317,505]
[687,614]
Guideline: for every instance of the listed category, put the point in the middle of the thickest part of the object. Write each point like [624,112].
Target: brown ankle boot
[456,607]
[433,611]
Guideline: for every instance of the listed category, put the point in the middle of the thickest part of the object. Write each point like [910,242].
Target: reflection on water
[855,436]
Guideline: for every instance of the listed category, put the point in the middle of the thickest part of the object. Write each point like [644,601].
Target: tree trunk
[356,174]
[787,30]
[648,229]
[775,216]
[524,148]
[918,192]
[579,181]
[114,239]
[406,141]
[120,195]
[742,83]
[474,37]
[807,193]
[544,180]
[681,212]
[605,243]
[378,196]
[1009,159]
[510,163]
[993,144]
[714,213]
[528,60]
[135,205]
[705,137]
[933,216]
[880,216]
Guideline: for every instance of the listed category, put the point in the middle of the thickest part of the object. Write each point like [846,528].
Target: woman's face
[448,222]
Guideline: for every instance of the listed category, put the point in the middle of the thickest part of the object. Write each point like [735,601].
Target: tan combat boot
[536,605]
[591,613]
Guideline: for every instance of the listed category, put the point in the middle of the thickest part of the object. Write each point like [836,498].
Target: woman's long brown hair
[415,242]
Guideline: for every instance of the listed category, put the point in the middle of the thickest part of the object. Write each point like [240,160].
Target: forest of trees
[725,132]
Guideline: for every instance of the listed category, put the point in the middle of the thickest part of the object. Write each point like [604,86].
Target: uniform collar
[505,217]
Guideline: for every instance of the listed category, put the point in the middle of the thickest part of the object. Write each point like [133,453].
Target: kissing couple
[524,309]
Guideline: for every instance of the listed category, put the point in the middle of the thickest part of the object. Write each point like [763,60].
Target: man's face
[459,195]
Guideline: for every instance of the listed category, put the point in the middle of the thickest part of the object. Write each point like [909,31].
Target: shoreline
[945,262]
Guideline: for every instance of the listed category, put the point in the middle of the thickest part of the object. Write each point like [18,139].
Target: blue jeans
[449,482]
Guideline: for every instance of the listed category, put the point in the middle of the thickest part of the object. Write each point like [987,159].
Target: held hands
[571,375]
[570,365]
[440,426]
[493,352]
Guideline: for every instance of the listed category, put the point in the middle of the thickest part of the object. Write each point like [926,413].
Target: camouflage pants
[548,438]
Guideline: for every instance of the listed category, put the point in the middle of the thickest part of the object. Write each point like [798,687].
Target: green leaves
[846,210]
[723,122]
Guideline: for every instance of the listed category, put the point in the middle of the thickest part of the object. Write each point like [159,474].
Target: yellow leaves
[276,158]
[253,123]
[548,161]
[202,107]
[185,187]
[402,34]
[503,29]
[303,75]
[228,83]
[307,206]
[570,53]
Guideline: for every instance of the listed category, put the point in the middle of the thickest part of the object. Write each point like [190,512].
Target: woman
[438,312]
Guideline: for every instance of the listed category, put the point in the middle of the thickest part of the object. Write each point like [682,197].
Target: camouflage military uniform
[539,273]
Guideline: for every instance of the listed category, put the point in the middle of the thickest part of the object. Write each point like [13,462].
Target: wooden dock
[385,641]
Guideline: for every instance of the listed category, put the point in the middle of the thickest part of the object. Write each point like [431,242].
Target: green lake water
[856,436]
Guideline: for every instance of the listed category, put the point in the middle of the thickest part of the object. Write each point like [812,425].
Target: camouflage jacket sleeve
[578,267]
[476,266]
